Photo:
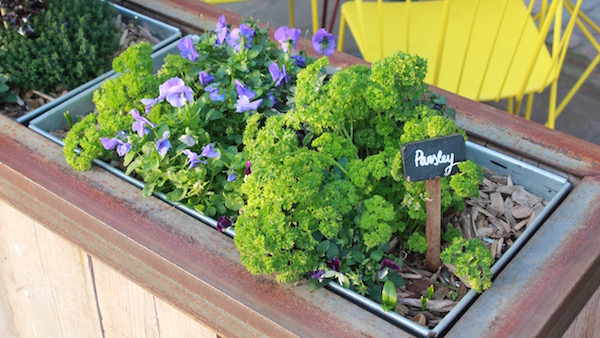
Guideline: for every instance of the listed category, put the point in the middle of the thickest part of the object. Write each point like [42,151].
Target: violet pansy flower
[205,78]
[324,42]
[287,37]
[110,143]
[319,274]
[223,223]
[149,103]
[278,75]
[186,47]
[175,92]
[213,93]
[334,264]
[299,60]
[163,145]
[248,171]
[221,30]
[209,151]
[140,123]
[231,177]
[193,159]
[273,99]
[245,94]
[387,264]
[237,35]
[188,140]
[244,104]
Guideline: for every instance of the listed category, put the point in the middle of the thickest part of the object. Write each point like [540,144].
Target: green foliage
[116,97]
[451,233]
[427,298]
[472,261]
[77,39]
[417,242]
[325,175]
[212,184]
[5,94]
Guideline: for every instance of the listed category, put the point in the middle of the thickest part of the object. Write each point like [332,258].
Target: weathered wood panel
[130,311]
[47,282]
[587,324]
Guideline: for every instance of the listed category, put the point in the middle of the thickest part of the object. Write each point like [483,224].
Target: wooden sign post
[430,160]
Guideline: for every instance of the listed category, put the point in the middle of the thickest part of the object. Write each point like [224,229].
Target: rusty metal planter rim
[165,32]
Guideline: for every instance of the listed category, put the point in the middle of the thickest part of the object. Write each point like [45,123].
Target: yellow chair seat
[425,22]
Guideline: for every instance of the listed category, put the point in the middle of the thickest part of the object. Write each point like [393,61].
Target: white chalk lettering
[421,160]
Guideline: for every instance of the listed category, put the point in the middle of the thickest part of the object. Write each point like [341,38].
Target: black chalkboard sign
[436,157]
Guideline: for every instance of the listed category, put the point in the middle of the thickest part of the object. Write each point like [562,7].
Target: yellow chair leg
[292,17]
[510,105]
[517,108]
[552,105]
[342,32]
[529,106]
[315,16]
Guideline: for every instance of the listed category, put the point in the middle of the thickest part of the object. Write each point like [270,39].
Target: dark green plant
[74,42]
[327,176]
[471,260]
[5,94]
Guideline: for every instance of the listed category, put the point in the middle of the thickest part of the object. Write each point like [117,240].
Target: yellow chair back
[481,49]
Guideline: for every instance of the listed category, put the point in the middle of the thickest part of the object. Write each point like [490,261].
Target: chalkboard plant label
[430,160]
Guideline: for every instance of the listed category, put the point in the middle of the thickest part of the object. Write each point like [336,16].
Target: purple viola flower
[245,94]
[149,103]
[175,92]
[193,159]
[231,177]
[140,123]
[243,104]
[248,171]
[205,78]
[209,151]
[334,264]
[213,93]
[273,99]
[287,37]
[123,148]
[299,60]
[221,30]
[324,42]
[110,143]
[223,223]
[186,47]
[163,145]
[318,274]
[242,90]
[278,75]
[237,35]
[387,264]
[187,140]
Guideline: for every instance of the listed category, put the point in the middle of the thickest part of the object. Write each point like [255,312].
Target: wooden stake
[433,205]
[3,13]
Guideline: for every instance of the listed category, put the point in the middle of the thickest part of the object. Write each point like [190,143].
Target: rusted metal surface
[172,255]
[550,280]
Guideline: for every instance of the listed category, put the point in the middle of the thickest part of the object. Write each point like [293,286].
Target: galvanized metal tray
[551,187]
[163,32]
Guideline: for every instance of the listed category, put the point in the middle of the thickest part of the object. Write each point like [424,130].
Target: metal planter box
[551,187]
[163,32]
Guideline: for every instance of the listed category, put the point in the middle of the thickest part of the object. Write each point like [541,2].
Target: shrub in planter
[326,195]
[180,130]
[69,42]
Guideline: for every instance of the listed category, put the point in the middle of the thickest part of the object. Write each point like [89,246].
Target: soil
[29,100]
[498,217]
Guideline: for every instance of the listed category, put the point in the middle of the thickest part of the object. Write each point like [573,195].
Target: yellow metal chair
[481,49]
